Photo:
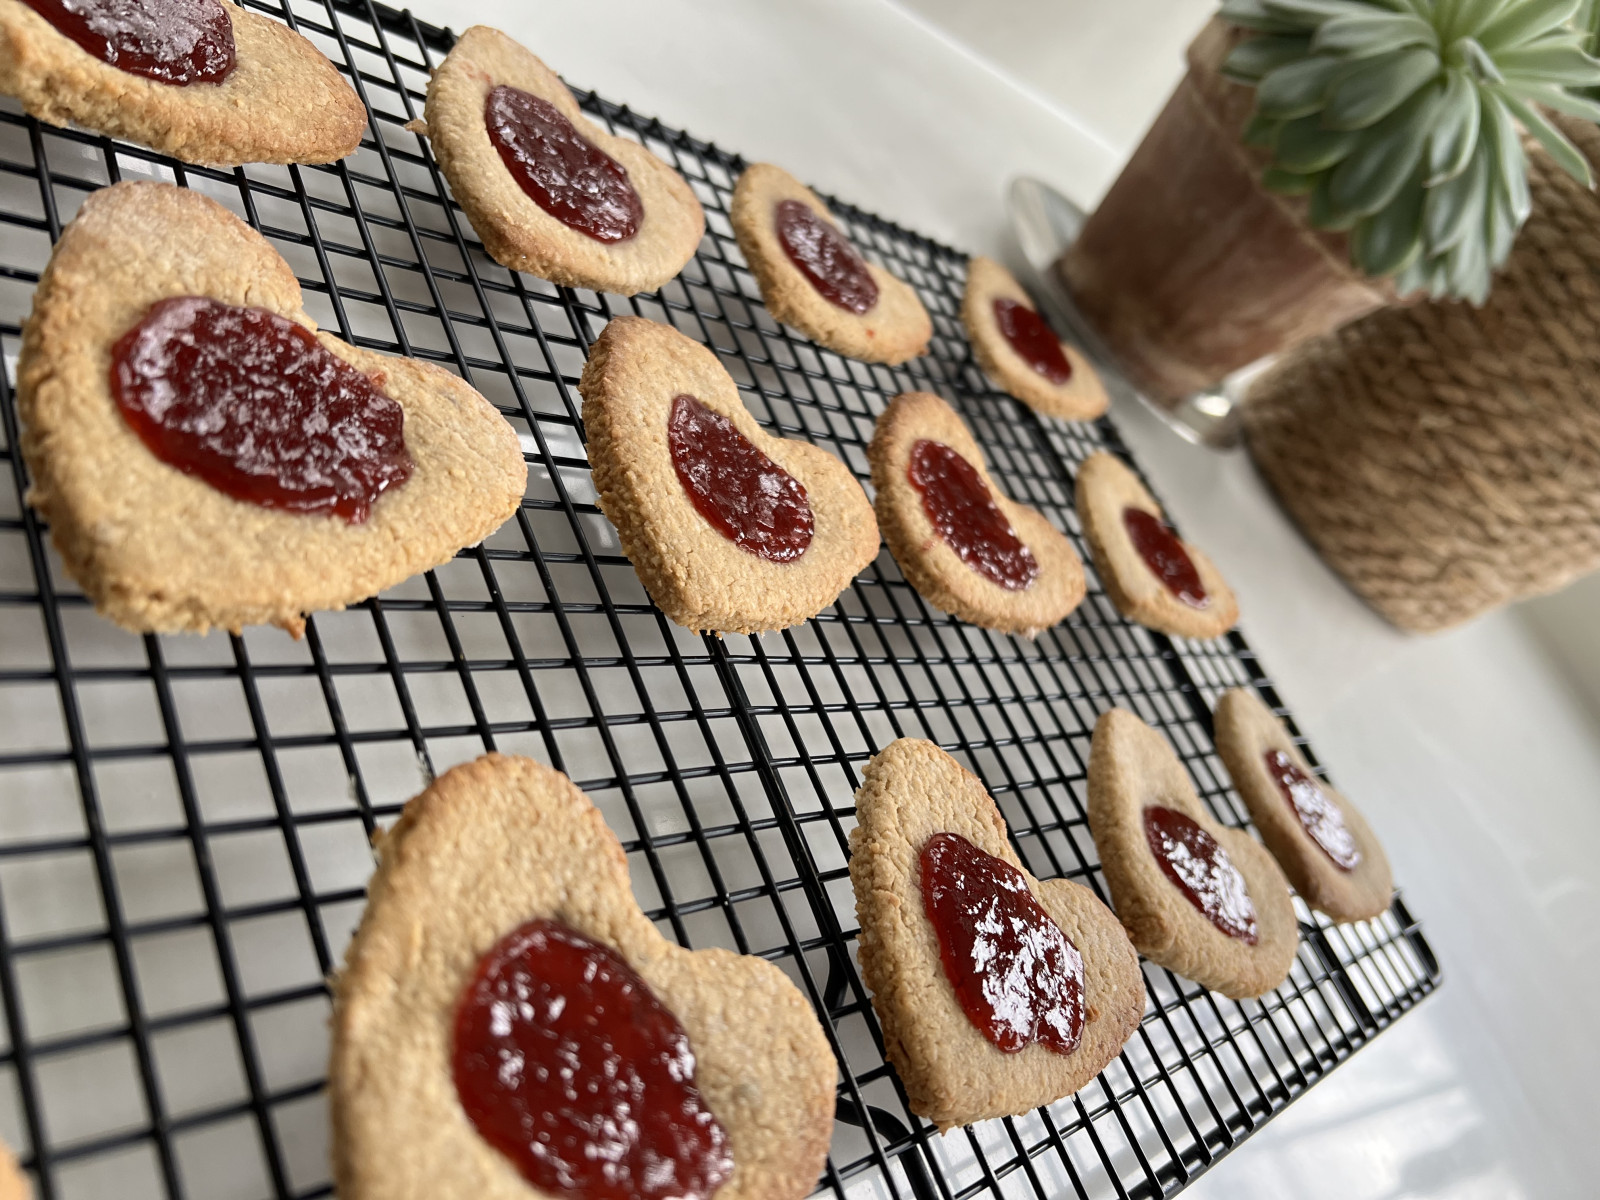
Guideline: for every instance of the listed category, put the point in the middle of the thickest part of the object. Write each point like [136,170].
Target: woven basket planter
[1445,460]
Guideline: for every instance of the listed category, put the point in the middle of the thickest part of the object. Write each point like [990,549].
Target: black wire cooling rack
[184,821]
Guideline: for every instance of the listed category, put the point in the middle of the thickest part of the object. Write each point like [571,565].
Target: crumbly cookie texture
[515,231]
[1246,732]
[1131,767]
[698,577]
[1105,488]
[13,1183]
[929,563]
[953,1074]
[493,844]
[283,103]
[158,550]
[893,330]
[1080,398]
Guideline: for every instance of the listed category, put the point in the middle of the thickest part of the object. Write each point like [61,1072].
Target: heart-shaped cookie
[811,277]
[281,101]
[1151,575]
[1020,351]
[155,545]
[497,893]
[730,528]
[1196,897]
[547,190]
[1319,838]
[965,546]
[929,844]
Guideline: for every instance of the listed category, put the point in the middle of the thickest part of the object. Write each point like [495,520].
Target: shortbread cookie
[502,880]
[1020,351]
[811,277]
[730,528]
[1152,576]
[280,101]
[1319,838]
[965,547]
[547,190]
[1197,897]
[929,843]
[155,545]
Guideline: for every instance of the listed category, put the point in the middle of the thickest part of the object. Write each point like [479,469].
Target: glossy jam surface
[1034,340]
[171,41]
[825,257]
[1018,977]
[1164,554]
[1319,816]
[1201,870]
[960,506]
[568,1065]
[563,172]
[251,403]
[748,498]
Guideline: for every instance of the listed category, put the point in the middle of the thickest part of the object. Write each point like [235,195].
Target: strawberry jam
[251,403]
[1319,816]
[1032,339]
[960,506]
[825,257]
[170,41]
[562,171]
[748,498]
[567,1064]
[1164,554]
[1018,977]
[1201,870]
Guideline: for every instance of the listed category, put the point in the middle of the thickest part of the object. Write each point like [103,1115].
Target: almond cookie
[730,528]
[1151,576]
[504,999]
[811,277]
[931,865]
[204,458]
[547,190]
[960,542]
[205,81]
[1020,351]
[1319,838]
[1197,897]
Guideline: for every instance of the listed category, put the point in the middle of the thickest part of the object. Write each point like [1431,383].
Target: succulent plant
[1398,120]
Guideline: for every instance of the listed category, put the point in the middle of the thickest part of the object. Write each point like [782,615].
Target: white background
[1475,753]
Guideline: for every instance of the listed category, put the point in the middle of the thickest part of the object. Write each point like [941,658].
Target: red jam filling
[1033,340]
[748,498]
[562,171]
[171,41]
[569,1066]
[251,403]
[961,507]
[1018,977]
[1201,870]
[1319,815]
[1164,554]
[825,257]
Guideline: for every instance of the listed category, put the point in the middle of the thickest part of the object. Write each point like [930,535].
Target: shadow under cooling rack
[184,821]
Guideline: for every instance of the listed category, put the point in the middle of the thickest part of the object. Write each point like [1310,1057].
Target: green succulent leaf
[1287,183]
[1510,165]
[1252,59]
[1467,17]
[1373,33]
[1262,132]
[1570,159]
[1306,147]
[1469,54]
[1298,89]
[1322,214]
[1372,174]
[1550,64]
[1456,209]
[1525,22]
[1453,138]
[1249,14]
[1367,93]
[1550,96]
[1391,239]
[1314,12]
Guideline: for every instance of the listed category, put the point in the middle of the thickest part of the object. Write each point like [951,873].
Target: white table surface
[1469,751]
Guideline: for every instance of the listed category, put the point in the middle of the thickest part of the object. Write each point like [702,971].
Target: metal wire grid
[184,821]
